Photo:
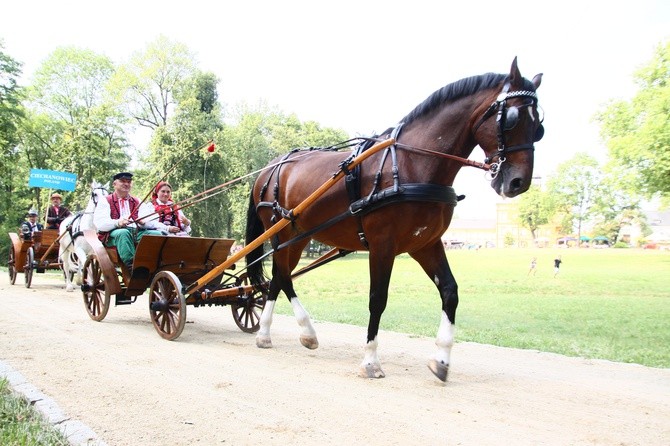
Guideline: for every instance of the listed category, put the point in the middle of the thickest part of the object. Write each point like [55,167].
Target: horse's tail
[255,229]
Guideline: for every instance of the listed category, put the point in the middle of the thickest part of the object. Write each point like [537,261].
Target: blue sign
[52,179]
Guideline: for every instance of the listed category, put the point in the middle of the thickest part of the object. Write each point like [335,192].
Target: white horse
[74,249]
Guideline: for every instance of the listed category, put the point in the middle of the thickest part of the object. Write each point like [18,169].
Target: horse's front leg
[434,262]
[282,265]
[381,264]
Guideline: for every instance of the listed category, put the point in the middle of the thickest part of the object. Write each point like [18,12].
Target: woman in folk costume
[168,213]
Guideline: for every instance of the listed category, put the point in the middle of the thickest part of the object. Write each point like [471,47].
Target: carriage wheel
[28,268]
[167,305]
[247,316]
[96,294]
[11,266]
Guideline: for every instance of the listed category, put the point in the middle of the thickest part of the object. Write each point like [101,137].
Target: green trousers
[125,239]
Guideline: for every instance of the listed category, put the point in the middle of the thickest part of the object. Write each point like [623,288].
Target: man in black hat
[56,212]
[118,219]
[31,225]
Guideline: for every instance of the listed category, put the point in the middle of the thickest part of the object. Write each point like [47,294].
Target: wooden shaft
[272,231]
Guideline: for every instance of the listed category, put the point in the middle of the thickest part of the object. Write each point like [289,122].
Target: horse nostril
[515,184]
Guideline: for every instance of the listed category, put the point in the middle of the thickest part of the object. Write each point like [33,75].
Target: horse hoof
[439,369]
[69,289]
[263,342]
[372,371]
[309,341]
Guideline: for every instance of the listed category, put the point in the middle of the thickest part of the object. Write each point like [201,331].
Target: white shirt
[103,221]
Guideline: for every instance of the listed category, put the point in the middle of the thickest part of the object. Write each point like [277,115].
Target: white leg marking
[371,367]
[436,280]
[439,363]
[263,339]
[308,335]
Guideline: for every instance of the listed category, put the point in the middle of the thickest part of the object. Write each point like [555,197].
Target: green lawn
[606,303]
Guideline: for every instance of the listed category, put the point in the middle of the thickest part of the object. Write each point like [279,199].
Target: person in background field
[31,225]
[557,265]
[167,213]
[118,219]
[57,212]
[533,266]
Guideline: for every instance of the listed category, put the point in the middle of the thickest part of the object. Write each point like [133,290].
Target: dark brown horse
[400,200]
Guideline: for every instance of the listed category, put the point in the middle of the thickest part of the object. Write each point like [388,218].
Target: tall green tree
[73,125]
[573,189]
[637,132]
[535,209]
[13,174]
[147,83]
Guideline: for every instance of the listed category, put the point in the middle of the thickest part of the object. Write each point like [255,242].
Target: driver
[118,219]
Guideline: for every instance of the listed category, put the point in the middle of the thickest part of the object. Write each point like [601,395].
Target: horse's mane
[459,89]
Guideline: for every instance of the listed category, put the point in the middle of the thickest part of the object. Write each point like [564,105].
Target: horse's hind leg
[283,263]
[434,262]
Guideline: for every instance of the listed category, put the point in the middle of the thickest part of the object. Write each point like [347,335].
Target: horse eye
[511,118]
[539,133]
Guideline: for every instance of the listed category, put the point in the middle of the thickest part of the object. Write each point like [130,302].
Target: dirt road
[213,386]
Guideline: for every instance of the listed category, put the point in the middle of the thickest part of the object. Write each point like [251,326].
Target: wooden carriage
[35,253]
[166,266]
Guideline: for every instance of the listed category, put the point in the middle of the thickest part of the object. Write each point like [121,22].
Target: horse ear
[515,78]
[537,80]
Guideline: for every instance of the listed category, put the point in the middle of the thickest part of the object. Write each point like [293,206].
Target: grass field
[605,303]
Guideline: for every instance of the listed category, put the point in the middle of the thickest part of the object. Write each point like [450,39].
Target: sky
[363,65]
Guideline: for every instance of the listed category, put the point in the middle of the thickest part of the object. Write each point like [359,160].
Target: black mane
[459,89]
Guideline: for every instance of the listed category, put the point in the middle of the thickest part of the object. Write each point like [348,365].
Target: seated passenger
[57,212]
[167,212]
[118,219]
[31,225]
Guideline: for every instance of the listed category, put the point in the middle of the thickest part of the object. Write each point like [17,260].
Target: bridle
[94,196]
[506,119]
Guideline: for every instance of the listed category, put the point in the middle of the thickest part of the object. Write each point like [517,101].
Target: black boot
[129,267]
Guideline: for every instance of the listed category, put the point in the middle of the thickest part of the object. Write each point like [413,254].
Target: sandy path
[213,386]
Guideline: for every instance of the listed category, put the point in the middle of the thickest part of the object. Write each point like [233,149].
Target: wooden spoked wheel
[167,305]
[11,266]
[96,294]
[247,315]
[29,266]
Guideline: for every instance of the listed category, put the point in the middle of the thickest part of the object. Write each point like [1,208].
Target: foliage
[20,424]
[147,84]
[637,132]
[535,209]
[573,188]
[12,177]
[73,125]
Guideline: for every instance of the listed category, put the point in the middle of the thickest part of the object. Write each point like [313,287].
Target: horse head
[98,192]
[508,140]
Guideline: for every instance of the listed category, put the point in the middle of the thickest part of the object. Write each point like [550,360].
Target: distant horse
[73,246]
[400,201]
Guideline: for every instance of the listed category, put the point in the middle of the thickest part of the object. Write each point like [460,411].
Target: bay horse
[74,249]
[399,201]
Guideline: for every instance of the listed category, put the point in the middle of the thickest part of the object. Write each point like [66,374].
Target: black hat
[123,175]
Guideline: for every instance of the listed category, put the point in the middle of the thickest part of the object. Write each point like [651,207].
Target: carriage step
[124,301]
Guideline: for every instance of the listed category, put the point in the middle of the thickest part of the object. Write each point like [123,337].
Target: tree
[72,125]
[147,84]
[573,189]
[637,132]
[13,202]
[535,209]
[616,205]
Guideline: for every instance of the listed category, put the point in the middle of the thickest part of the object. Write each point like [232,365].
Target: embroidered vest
[115,211]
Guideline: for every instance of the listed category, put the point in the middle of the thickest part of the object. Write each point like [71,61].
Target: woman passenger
[168,212]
